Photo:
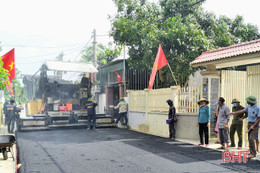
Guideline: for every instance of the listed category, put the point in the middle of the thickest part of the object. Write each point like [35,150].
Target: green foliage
[183,29]
[3,76]
[59,58]
[104,54]
[19,91]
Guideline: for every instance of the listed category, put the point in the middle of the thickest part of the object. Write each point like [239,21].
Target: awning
[70,66]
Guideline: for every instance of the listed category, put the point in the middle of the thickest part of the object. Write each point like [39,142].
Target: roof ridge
[225,52]
[232,46]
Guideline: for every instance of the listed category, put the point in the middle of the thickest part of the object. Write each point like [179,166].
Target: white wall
[101,103]
[136,118]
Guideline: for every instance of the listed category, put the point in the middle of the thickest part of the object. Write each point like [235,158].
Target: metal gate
[253,82]
[233,85]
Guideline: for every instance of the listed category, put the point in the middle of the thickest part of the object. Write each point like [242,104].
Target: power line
[82,49]
[104,35]
[29,63]
[47,47]
[79,54]
[40,56]
[40,60]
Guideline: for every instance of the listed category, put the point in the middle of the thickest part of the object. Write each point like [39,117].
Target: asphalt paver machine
[58,102]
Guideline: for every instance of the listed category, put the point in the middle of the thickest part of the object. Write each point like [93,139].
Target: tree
[3,74]
[19,91]
[59,58]
[183,29]
[104,54]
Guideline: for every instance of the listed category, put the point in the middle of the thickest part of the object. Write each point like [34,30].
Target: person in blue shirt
[203,121]
[253,111]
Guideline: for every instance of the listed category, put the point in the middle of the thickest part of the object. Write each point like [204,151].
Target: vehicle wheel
[5,154]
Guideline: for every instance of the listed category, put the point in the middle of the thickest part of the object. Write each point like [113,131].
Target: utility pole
[94,62]
[94,53]
[95,48]
[124,73]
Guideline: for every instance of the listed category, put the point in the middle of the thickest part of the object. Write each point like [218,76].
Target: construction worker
[123,108]
[237,123]
[11,111]
[91,108]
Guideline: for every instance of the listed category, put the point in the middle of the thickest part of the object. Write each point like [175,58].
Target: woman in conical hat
[203,121]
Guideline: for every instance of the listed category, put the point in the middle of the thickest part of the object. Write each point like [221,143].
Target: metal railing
[188,98]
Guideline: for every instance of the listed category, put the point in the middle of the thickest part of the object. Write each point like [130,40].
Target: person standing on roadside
[91,108]
[203,121]
[237,124]
[123,108]
[224,118]
[172,117]
[11,111]
[253,111]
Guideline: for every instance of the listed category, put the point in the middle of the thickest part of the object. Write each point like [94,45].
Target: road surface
[108,150]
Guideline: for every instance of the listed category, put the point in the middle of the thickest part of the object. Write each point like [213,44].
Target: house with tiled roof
[231,72]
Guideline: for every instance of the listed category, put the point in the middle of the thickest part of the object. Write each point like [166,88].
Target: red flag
[92,77]
[118,76]
[159,63]
[8,85]
[9,64]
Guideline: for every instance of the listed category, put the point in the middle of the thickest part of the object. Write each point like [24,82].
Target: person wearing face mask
[237,123]
[203,121]
[253,111]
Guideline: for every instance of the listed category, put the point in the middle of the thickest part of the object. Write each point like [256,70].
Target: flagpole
[124,73]
[172,74]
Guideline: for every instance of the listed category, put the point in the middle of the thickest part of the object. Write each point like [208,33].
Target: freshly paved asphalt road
[116,150]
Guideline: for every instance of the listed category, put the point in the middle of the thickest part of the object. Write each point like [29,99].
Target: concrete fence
[148,112]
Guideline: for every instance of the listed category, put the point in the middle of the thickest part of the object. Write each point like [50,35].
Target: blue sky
[40,30]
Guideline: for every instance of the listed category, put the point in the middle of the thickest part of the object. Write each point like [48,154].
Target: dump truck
[58,102]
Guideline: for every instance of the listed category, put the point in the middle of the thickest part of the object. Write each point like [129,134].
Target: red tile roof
[230,51]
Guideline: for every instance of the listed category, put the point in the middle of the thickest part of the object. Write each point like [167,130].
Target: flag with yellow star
[9,64]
